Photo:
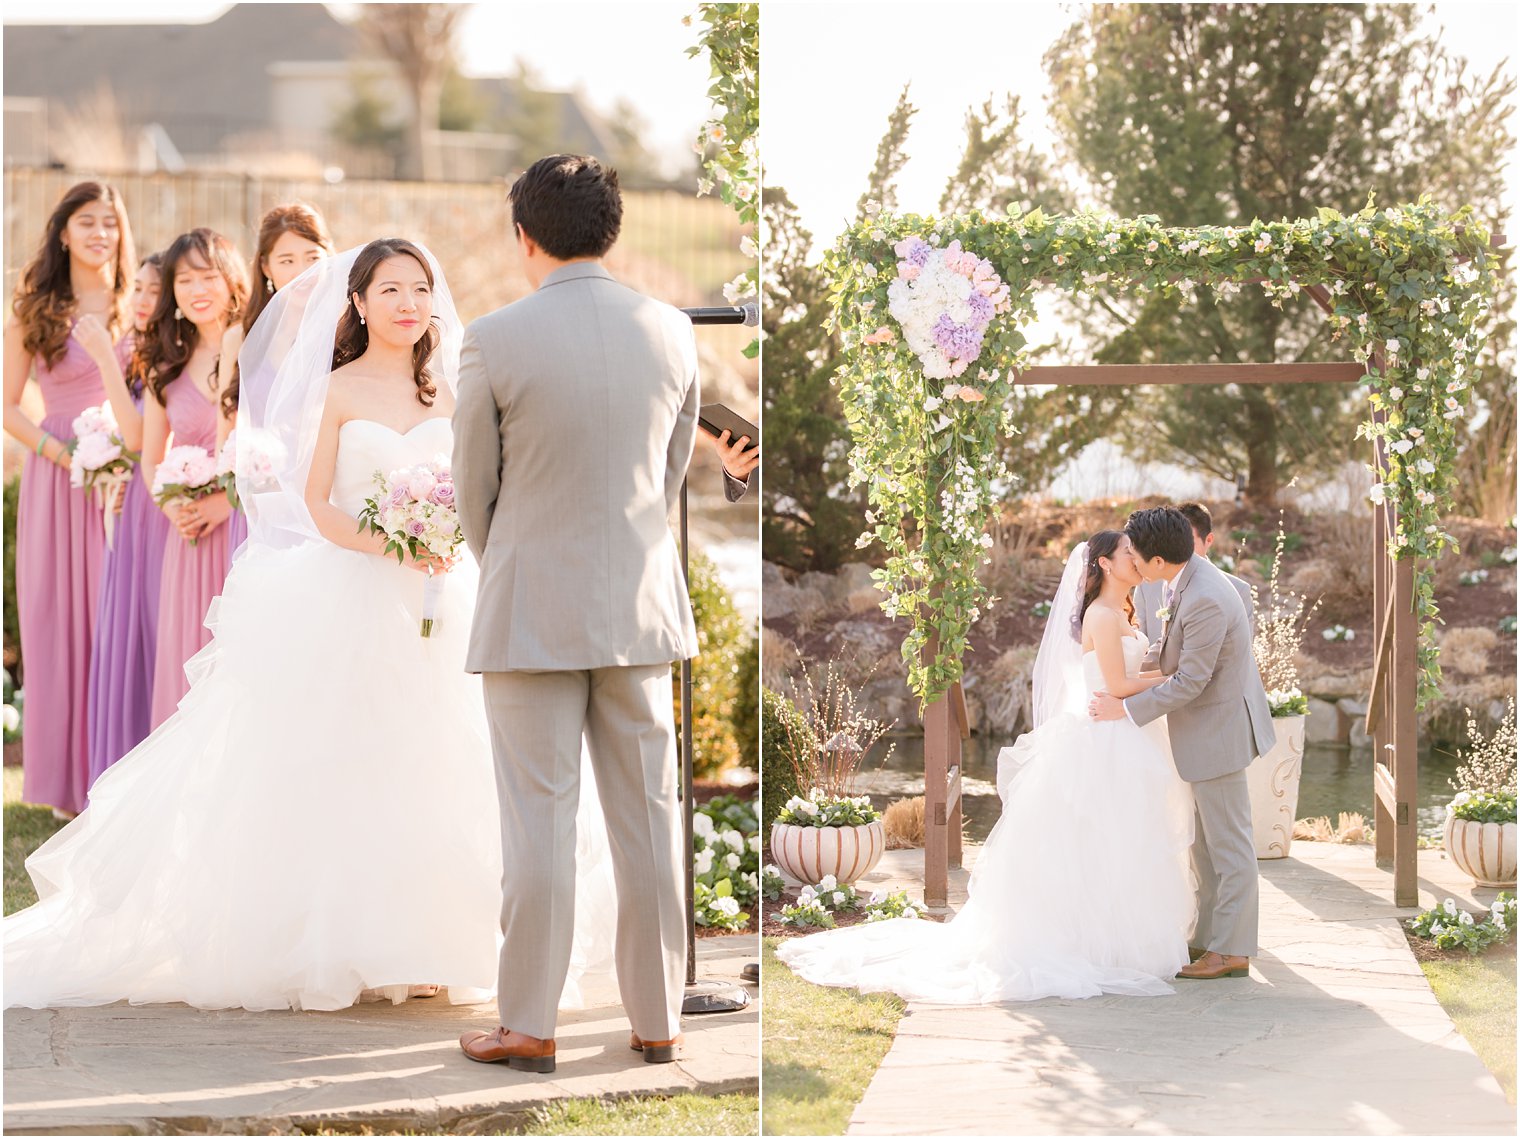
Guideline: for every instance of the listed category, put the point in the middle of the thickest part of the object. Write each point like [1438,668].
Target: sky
[831,71]
[634,49]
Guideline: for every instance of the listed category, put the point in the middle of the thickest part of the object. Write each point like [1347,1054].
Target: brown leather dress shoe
[525,1053]
[1212,966]
[1194,953]
[657,1051]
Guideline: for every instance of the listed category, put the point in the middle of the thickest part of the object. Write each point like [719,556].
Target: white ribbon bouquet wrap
[414,512]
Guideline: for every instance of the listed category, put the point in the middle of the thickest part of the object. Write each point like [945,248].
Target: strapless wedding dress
[1083,886]
[319,818]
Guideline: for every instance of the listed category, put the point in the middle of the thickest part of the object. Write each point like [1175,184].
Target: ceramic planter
[1485,852]
[809,854]
[1273,780]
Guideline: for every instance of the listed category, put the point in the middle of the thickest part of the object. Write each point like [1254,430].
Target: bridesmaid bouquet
[414,512]
[248,456]
[102,462]
[186,474]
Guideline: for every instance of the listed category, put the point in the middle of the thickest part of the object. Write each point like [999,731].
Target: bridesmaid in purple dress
[81,274]
[205,288]
[126,624]
[291,238]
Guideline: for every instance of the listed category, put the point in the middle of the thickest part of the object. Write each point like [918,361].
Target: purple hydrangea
[957,341]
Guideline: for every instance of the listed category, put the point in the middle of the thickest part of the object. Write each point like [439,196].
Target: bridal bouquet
[944,299]
[414,512]
[186,474]
[102,462]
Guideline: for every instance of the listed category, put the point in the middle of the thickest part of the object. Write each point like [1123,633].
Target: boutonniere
[1164,614]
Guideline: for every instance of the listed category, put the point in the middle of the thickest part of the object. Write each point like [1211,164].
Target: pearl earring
[268,285]
[178,315]
[361,318]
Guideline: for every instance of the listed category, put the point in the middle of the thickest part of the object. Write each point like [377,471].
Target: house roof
[216,80]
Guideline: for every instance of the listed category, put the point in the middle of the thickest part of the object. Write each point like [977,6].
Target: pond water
[1334,779]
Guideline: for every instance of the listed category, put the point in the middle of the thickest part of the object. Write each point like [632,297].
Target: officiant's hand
[1105,707]
[738,458]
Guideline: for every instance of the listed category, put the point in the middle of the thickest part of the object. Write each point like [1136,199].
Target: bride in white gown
[1084,885]
[319,817]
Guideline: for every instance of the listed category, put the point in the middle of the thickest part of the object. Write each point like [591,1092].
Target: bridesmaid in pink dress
[205,289]
[292,238]
[81,274]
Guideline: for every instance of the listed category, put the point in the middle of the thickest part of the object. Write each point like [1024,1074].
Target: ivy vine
[729,142]
[1409,285]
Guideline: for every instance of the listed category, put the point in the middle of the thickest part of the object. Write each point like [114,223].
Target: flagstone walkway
[1336,1032]
[171,1069]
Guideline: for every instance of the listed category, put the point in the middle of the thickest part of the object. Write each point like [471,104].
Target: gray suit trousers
[1224,859]
[537,722]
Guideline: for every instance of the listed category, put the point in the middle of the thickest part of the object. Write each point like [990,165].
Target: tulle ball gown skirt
[1082,888]
[319,818]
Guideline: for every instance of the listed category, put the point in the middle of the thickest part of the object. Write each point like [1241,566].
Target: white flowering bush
[817,905]
[820,809]
[1339,633]
[1485,778]
[1448,926]
[726,855]
[884,906]
[1408,285]
[1472,577]
[772,883]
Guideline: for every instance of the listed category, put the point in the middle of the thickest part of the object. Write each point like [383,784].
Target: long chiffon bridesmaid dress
[126,630]
[192,575]
[59,542]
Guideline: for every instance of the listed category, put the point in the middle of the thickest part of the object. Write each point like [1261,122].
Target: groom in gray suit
[576,417]
[1218,720]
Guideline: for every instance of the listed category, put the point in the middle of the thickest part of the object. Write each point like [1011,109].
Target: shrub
[714,672]
[747,704]
[778,775]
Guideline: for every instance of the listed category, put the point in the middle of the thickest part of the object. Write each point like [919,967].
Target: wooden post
[938,719]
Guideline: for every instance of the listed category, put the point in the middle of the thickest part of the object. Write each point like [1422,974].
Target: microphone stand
[701,996]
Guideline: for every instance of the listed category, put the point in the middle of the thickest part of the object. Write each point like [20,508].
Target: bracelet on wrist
[41,443]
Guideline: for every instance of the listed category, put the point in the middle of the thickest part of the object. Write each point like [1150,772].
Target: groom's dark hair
[570,205]
[1162,531]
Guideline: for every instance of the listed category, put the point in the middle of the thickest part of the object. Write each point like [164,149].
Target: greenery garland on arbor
[1410,285]
[730,141]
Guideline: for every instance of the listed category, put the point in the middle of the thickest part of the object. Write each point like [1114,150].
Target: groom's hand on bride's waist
[1105,707]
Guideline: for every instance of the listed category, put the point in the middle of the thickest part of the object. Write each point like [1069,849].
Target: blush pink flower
[882,335]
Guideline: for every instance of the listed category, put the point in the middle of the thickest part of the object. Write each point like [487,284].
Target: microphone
[747,315]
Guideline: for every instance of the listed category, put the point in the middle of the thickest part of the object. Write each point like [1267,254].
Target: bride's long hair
[353,337]
[1100,545]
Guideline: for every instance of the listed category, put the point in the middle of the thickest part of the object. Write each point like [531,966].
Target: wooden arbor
[1391,713]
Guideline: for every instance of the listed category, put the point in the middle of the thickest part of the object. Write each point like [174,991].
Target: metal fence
[677,247]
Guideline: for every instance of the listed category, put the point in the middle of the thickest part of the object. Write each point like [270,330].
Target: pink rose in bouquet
[187,473]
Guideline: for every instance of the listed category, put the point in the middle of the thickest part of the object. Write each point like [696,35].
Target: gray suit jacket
[1216,709]
[576,417]
[1148,596]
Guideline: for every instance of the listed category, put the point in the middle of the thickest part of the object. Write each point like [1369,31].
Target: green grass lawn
[679,1115]
[821,1048]
[26,828]
[1478,993]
